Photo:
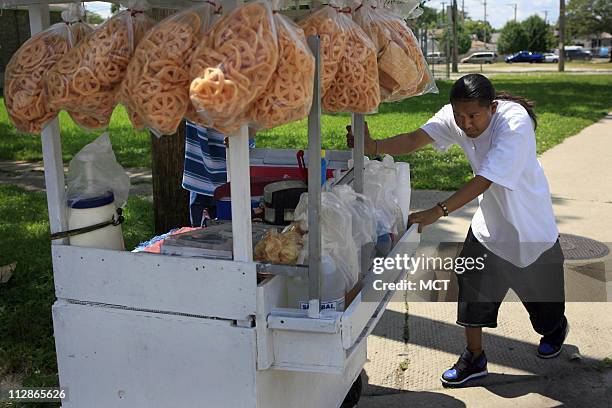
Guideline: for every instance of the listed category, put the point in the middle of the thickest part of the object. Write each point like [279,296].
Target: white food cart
[144,330]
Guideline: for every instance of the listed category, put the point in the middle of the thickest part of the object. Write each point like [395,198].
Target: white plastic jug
[85,212]
[333,287]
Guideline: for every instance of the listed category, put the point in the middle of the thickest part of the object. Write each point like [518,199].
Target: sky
[498,11]
[501,11]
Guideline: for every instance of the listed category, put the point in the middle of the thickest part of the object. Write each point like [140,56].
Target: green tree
[94,18]
[479,28]
[538,34]
[588,17]
[115,7]
[513,38]
[464,39]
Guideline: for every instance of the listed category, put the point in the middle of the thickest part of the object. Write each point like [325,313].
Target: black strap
[84,230]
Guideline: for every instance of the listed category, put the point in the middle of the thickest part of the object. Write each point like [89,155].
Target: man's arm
[464,195]
[404,143]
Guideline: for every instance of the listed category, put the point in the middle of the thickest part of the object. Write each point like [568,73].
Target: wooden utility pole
[561,35]
[170,200]
[455,44]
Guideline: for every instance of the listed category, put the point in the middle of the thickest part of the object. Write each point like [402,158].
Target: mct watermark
[412,264]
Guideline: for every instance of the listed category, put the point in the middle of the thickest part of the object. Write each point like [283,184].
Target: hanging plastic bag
[86,80]
[380,183]
[324,23]
[288,96]
[24,96]
[402,69]
[94,171]
[348,56]
[355,87]
[233,66]
[156,87]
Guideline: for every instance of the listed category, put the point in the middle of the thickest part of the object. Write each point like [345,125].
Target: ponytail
[478,87]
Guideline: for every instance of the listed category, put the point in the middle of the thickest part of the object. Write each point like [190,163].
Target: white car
[550,57]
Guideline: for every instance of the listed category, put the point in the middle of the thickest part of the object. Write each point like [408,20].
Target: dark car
[525,56]
[578,55]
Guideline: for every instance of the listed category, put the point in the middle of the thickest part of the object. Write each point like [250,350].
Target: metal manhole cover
[577,247]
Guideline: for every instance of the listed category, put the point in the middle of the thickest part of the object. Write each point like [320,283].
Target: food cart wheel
[352,398]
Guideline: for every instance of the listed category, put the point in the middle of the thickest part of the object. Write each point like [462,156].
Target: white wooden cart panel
[203,287]
[124,358]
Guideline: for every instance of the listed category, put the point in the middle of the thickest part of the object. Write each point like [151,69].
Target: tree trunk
[561,35]
[170,200]
[455,42]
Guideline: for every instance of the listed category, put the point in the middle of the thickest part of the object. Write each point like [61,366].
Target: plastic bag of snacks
[324,23]
[402,68]
[355,87]
[85,81]
[288,96]
[156,87]
[233,66]
[26,101]
[350,55]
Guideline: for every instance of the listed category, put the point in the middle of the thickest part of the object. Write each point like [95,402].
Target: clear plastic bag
[380,182]
[233,65]
[337,242]
[362,213]
[402,69]
[155,90]
[288,96]
[24,95]
[354,87]
[325,24]
[94,170]
[85,81]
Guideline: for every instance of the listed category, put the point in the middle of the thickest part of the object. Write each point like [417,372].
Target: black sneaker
[467,368]
[551,345]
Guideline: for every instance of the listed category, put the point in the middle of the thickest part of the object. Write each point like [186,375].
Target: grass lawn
[26,338]
[565,104]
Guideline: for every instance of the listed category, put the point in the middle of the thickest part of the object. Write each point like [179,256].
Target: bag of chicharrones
[288,96]
[156,86]
[24,96]
[233,65]
[402,69]
[85,80]
[349,79]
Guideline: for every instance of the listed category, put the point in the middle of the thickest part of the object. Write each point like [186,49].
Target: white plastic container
[90,211]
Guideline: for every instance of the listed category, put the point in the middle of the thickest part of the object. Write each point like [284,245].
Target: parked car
[578,54]
[480,58]
[550,57]
[525,56]
[436,57]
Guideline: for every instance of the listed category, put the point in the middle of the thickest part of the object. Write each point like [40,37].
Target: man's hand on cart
[424,218]
[369,144]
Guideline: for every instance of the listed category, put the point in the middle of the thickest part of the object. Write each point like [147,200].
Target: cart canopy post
[314,187]
[239,173]
[358,128]
[51,144]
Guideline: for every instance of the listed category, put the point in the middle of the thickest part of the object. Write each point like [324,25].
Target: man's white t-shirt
[515,218]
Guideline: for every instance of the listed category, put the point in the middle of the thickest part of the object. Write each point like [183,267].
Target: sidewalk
[407,374]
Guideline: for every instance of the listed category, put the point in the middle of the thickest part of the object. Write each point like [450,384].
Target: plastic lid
[92,202]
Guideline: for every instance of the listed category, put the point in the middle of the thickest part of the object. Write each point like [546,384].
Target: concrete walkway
[406,374]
